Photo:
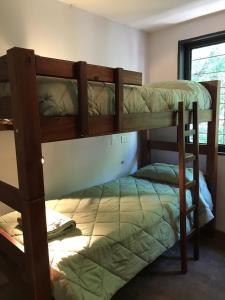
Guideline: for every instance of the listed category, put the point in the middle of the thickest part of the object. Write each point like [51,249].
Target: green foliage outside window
[208,63]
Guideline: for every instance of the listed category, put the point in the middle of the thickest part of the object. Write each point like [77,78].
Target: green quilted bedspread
[122,226]
[58,97]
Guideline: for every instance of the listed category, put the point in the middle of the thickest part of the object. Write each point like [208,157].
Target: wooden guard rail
[67,69]
[82,126]
[84,72]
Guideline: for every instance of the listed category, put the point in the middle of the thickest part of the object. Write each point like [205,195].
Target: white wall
[58,30]
[163,46]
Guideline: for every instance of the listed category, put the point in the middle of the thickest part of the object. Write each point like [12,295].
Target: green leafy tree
[208,63]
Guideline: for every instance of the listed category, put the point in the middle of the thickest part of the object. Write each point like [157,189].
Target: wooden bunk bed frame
[20,113]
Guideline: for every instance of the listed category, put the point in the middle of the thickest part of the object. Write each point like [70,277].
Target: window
[203,59]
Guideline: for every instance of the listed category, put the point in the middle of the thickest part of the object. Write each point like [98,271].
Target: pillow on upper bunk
[165,173]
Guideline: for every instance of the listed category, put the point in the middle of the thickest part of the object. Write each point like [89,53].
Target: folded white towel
[57,224]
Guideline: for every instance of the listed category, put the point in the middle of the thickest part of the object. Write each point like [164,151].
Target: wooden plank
[190,185]
[3,69]
[212,157]
[118,77]
[195,194]
[132,78]
[182,186]
[106,74]
[5,108]
[66,128]
[83,116]
[101,125]
[22,75]
[62,68]
[26,122]
[142,121]
[12,249]
[189,158]
[100,73]
[172,146]
[59,128]
[144,153]
[54,67]
[10,195]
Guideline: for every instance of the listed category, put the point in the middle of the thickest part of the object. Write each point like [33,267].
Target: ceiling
[149,15]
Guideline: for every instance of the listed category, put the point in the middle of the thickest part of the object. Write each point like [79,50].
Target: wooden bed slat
[66,128]
[142,121]
[82,88]
[172,146]
[54,67]
[59,128]
[118,76]
[3,68]
[101,125]
[131,77]
[144,153]
[10,195]
[5,108]
[106,74]
[99,73]
[66,69]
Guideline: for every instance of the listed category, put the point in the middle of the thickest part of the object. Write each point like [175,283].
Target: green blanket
[122,226]
[58,97]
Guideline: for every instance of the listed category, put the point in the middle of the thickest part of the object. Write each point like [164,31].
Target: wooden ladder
[183,185]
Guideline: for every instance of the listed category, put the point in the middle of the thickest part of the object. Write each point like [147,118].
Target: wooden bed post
[25,111]
[144,151]
[118,78]
[82,87]
[212,140]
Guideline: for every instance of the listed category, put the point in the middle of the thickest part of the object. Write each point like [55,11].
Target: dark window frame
[185,48]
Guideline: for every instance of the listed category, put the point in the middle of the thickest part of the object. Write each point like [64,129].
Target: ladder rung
[190,209]
[190,132]
[190,184]
[192,233]
[189,157]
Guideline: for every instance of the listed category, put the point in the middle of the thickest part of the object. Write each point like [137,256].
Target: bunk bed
[19,112]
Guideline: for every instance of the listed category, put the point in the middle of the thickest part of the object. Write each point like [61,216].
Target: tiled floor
[162,281]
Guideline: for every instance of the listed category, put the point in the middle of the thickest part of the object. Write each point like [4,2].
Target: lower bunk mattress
[121,227]
[59,97]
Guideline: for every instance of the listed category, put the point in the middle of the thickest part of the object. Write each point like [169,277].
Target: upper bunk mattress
[58,97]
[122,226]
